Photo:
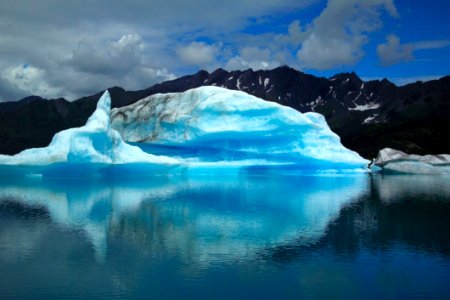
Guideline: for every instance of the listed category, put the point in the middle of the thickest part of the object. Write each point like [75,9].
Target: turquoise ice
[207,129]
[212,124]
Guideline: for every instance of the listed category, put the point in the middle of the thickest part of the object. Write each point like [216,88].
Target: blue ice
[207,129]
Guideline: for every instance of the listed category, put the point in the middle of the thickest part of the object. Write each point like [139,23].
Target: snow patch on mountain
[367,106]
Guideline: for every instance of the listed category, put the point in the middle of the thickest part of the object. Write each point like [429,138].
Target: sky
[70,49]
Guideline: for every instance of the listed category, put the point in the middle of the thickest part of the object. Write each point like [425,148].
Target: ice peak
[100,118]
[94,143]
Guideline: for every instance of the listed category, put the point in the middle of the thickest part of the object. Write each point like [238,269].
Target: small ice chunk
[395,161]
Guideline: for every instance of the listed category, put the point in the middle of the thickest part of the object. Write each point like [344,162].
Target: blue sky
[417,21]
[70,49]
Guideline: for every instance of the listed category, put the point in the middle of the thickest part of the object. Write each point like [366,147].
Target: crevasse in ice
[212,124]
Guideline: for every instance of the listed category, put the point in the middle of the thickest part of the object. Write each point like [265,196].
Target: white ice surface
[227,129]
[95,142]
[237,124]
[395,161]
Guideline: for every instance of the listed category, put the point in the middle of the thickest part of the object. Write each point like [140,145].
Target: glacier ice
[205,130]
[395,161]
[213,124]
[95,142]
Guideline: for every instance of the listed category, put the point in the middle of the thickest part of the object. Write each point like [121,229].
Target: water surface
[243,236]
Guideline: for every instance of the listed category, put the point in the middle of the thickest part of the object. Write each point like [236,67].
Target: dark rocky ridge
[368,115]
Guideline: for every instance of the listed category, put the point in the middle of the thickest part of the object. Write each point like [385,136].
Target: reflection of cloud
[203,220]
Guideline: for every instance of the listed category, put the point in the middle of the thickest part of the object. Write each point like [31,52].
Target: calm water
[261,237]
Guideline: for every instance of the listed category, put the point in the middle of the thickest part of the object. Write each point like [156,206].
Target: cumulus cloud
[90,68]
[9,91]
[79,49]
[28,79]
[198,54]
[393,52]
[252,57]
[75,49]
[117,57]
[336,37]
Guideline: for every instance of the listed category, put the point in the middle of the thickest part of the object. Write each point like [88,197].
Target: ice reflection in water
[202,219]
[226,237]
[396,187]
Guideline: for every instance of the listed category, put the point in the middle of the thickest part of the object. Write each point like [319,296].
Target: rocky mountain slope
[368,115]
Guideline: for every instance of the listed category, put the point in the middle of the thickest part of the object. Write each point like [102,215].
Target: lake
[271,236]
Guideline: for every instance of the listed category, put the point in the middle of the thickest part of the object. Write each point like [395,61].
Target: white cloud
[173,15]
[436,44]
[117,57]
[198,54]
[90,68]
[393,52]
[255,53]
[10,91]
[319,53]
[30,80]
[336,37]
[296,34]
[252,57]
[78,49]
[81,48]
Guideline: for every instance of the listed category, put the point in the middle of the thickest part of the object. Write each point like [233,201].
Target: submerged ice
[207,129]
[215,124]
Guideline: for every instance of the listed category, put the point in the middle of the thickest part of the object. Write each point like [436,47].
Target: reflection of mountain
[198,219]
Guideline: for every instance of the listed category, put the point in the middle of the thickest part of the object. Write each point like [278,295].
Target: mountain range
[367,115]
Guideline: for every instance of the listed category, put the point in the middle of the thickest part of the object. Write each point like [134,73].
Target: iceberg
[397,162]
[211,125]
[95,143]
[207,130]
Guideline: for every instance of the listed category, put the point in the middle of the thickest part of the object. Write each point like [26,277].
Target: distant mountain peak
[202,73]
[346,75]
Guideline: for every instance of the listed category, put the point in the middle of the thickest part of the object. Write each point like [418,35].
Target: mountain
[367,115]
